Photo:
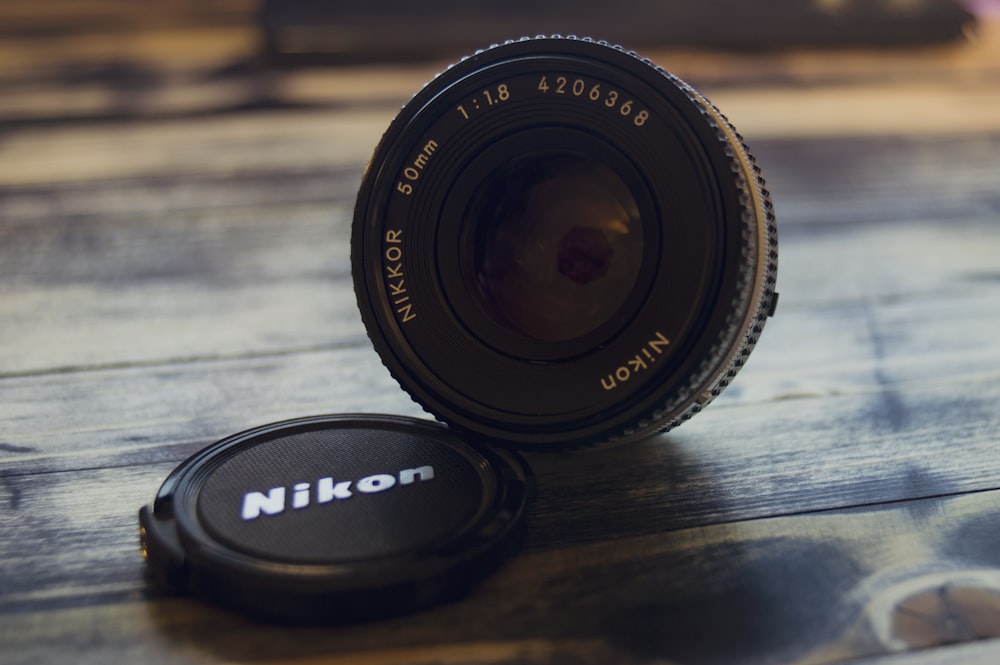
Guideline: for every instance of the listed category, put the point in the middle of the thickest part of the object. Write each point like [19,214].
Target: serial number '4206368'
[611,98]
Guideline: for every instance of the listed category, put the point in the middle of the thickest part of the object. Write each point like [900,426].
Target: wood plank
[122,416]
[230,145]
[735,462]
[245,262]
[975,653]
[233,295]
[872,285]
[627,600]
[866,180]
[863,344]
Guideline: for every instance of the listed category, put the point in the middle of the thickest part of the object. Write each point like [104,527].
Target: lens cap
[335,518]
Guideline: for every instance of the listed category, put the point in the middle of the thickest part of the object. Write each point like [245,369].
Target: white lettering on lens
[595,94]
[327,490]
[416,167]
[646,356]
[398,293]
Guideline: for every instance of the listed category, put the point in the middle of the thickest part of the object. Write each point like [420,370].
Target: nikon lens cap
[335,518]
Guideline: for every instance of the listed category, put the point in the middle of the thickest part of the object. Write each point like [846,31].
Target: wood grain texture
[708,594]
[168,280]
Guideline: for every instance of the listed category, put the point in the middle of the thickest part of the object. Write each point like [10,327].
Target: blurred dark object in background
[72,59]
[318,31]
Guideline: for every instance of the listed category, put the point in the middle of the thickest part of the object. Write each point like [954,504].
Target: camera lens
[557,243]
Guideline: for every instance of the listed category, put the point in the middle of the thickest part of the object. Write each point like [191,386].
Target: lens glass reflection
[557,245]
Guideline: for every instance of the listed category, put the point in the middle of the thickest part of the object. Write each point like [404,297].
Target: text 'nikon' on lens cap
[335,517]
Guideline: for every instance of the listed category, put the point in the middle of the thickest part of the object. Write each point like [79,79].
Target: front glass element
[557,245]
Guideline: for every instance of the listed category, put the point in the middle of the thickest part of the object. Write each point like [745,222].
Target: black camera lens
[558,243]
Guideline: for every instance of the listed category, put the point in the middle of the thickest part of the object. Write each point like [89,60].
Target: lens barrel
[557,243]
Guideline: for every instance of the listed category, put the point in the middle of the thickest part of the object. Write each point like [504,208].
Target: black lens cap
[335,518]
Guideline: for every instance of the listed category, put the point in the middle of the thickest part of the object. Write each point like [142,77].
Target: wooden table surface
[174,269]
